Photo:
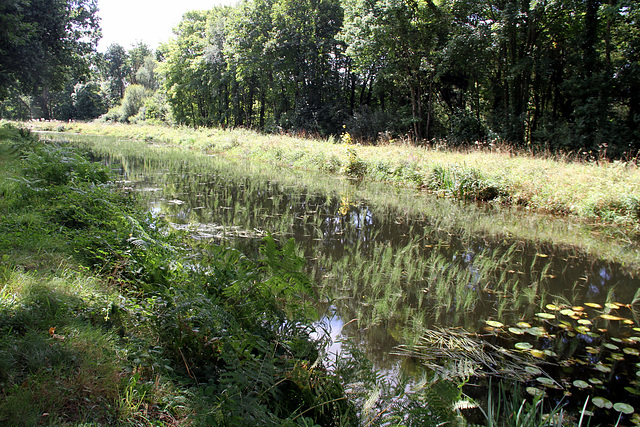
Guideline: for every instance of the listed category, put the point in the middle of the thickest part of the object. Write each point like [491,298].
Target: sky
[128,22]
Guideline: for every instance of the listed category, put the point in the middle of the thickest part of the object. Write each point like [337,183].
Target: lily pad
[523,346]
[592,305]
[567,312]
[623,407]
[610,317]
[602,402]
[533,370]
[610,346]
[537,353]
[550,353]
[582,329]
[631,351]
[603,368]
[516,331]
[595,381]
[617,356]
[552,307]
[537,331]
[525,325]
[494,324]
[536,392]
[613,305]
[547,316]
[584,322]
[581,384]
[546,381]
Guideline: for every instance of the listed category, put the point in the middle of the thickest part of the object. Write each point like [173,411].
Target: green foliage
[354,167]
[43,42]
[116,69]
[462,182]
[87,101]
[508,406]
[134,99]
[465,71]
[233,331]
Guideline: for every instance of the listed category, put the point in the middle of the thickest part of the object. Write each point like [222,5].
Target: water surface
[390,263]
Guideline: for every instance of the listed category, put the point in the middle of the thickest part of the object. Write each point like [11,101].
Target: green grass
[109,318]
[604,192]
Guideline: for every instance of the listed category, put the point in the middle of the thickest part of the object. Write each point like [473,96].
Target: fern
[284,278]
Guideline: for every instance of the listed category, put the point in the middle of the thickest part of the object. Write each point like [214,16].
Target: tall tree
[116,71]
[195,71]
[43,42]
[394,44]
[304,47]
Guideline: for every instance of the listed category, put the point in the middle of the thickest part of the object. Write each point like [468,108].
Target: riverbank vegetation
[602,192]
[140,241]
[108,317]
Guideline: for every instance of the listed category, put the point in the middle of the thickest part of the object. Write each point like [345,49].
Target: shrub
[462,182]
[354,168]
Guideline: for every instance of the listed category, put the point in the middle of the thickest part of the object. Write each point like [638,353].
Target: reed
[601,191]
[603,242]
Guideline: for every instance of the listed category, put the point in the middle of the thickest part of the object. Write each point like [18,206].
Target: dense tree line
[563,75]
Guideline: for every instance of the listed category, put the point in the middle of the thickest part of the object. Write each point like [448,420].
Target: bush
[134,99]
[463,182]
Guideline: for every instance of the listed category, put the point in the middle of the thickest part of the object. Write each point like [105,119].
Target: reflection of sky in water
[362,218]
[332,326]
[604,276]
[595,287]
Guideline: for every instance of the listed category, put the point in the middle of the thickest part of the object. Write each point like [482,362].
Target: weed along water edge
[420,279]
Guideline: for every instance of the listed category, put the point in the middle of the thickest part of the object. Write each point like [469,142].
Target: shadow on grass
[58,364]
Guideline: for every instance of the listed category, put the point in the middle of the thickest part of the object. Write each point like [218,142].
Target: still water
[390,264]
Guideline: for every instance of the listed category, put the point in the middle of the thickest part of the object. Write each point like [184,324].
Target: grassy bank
[108,317]
[602,192]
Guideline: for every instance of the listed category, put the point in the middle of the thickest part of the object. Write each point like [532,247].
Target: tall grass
[602,191]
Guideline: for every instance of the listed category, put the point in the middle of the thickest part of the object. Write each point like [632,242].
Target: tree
[393,45]
[195,78]
[116,71]
[136,57]
[88,102]
[146,74]
[43,42]
[307,62]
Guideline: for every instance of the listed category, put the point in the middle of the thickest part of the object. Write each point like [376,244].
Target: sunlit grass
[606,192]
[55,363]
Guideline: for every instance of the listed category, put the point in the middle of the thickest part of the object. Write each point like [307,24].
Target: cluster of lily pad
[592,337]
